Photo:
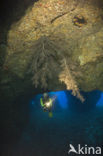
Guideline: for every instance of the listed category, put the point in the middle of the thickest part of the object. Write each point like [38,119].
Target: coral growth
[43,62]
[67,77]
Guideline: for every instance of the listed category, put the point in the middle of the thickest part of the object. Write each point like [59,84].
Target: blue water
[45,136]
[100,101]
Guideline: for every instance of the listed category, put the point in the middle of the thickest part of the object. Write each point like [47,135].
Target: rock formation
[53,45]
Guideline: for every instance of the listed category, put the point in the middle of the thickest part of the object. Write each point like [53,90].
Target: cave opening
[64,100]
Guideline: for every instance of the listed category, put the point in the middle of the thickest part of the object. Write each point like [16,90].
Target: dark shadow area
[12,116]
[11,10]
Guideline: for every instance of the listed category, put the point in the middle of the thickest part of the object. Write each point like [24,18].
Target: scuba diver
[46,103]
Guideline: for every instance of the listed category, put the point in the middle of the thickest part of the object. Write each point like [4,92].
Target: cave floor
[44,136]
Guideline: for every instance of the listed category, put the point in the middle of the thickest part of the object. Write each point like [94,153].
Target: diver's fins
[50,114]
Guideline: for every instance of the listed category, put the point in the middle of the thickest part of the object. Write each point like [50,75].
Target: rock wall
[47,33]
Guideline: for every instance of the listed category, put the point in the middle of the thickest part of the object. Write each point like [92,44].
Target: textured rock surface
[69,29]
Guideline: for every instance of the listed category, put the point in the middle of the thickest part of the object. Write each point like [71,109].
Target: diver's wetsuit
[43,103]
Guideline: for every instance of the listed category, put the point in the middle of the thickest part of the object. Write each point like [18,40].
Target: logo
[84,150]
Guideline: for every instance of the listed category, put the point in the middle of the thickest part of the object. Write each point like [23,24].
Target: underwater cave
[30,130]
[51,77]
